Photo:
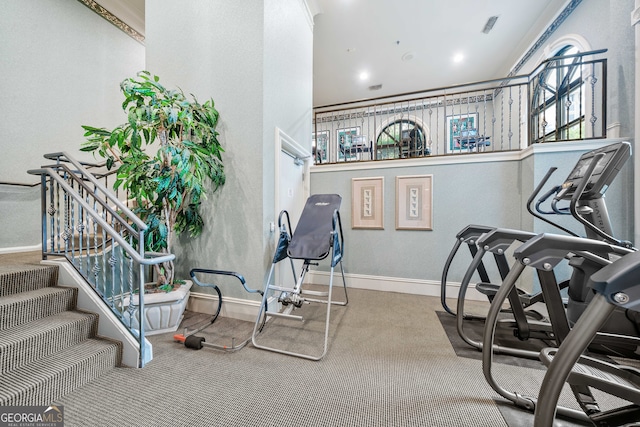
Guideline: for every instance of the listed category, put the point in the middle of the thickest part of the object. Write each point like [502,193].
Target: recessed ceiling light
[364,75]
[458,57]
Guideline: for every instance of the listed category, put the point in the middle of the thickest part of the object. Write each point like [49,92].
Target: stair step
[18,309]
[48,379]
[24,344]
[21,278]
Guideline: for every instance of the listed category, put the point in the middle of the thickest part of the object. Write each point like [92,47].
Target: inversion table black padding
[312,238]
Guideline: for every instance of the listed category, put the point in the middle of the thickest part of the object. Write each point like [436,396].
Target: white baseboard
[235,308]
[243,309]
[20,249]
[393,284]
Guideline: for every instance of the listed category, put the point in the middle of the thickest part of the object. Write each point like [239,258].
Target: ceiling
[406,45]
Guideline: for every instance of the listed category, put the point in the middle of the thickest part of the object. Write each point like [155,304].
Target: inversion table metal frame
[189,338]
[317,235]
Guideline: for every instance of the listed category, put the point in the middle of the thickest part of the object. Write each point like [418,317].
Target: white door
[292,199]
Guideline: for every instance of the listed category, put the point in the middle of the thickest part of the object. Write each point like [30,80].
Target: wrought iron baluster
[72,226]
[510,134]
[568,103]
[430,141]
[502,120]
[593,81]
[519,116]
[581,93]
[96,264]
[446,145]
[375,137]
[52,211]
[469,148]
[484,114]
[131,308]
[68,230]
[120,260]
[80,228]
[544,114]
[107,253]
[58,215]
[88,237]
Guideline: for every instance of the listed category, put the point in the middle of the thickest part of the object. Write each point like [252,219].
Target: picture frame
[414,200]
[367,203]
[343,141]
[457,125]
[320,146]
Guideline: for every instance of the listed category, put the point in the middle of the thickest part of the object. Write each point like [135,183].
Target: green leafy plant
[165,154]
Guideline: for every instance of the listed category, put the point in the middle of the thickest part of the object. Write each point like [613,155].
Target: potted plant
[167,155]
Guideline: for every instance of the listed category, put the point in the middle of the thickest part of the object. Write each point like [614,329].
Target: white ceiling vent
[489,25]
[375,87]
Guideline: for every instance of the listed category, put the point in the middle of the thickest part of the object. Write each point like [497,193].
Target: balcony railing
[563,99]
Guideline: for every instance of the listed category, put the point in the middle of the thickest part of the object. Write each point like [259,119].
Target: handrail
[56,156]
[107,193]
[131,251]
[83,184]
[87,165]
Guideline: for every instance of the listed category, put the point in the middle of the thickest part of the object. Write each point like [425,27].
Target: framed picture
[319,144]
[367,203]
[459,127]
[344,137]
[414,196]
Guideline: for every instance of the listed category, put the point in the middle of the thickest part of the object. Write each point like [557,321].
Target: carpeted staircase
[48,347]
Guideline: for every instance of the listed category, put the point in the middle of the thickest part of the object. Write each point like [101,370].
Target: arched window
[558,98]
[401,139]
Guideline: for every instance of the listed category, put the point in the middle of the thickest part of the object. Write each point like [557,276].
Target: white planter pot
[163,312]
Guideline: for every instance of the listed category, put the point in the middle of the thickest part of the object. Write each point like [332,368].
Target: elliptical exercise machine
[616,286]
[584,188]
[526,322]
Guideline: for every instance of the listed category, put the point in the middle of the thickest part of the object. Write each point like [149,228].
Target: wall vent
[489,25]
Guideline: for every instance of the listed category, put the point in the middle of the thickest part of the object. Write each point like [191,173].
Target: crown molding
[104,13]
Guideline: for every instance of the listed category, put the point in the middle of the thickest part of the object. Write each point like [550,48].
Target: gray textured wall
[478,193]
[492,193]
[61,68]
[254,59]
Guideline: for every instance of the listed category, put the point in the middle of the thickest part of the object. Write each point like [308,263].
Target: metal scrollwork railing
[563,99]
[100,236]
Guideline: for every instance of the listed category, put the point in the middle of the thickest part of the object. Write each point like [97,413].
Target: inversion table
[317,236]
